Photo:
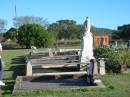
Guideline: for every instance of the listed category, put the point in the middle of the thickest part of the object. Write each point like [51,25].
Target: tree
[19,21]
[34,34]
[66,29]
[123,32]
[2,25]
[11,34]
[1,37]
[80,30]
[69,29]
[54,29]
[93,30]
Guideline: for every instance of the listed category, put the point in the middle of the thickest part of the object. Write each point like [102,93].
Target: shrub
[113,63]
[110,56]
[103,52]
[11,46]
[34,34]
[124,58]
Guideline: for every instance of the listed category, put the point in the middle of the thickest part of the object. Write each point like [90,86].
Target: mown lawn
[117,85]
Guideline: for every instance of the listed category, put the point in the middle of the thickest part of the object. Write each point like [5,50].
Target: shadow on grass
[19,60]
[8,88]
[18,68]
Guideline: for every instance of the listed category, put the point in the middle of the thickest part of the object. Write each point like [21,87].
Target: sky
[103,13]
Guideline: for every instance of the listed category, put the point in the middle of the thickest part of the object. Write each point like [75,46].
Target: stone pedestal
[102,66]
[29,69]
[95,68]
[83,65]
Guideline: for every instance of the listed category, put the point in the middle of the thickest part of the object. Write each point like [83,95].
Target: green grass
[14,65]
[117,85]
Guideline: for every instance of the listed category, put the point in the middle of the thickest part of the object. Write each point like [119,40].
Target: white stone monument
[102,66]
[87,51]
[87,45]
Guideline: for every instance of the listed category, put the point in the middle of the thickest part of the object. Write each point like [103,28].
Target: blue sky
[103,13]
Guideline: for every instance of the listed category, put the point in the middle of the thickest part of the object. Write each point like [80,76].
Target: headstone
[50,52]
[102,66]
[29,69]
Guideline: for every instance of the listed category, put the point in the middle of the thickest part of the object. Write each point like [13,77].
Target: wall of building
[100,40]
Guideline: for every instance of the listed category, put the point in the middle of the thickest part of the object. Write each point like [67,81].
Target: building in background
[101,40]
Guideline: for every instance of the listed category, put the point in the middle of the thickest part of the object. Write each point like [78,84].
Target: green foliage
[11,45]
[113,63]
[117,85]
[69,29]
[93,30]
[103,52]
[66,29]
[124,57]
[1,36]
[123,32]
[118,61]
[111,58]
[54,29]
[11,34]
[115,35]
[34,34]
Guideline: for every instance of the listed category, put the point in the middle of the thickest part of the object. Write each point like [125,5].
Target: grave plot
[61,70]
[59,53]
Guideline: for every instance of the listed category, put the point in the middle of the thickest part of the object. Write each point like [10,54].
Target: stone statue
[87,25]
[87,60]
[87,44]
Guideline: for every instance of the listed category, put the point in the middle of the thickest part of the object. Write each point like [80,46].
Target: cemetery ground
[117,85]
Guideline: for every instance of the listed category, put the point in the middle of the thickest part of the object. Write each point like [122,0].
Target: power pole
[15,8]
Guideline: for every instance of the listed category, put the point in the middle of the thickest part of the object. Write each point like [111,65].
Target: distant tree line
[122,32]
[36,31]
